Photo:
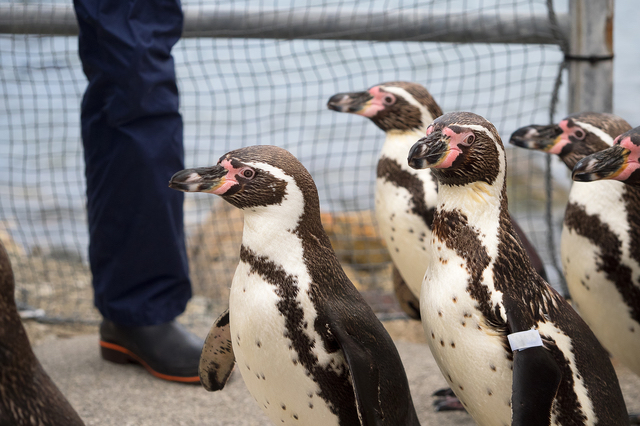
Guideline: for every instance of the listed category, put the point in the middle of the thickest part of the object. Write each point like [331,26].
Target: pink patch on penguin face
[228,181]
[563,139]
[378,103]
[633,163]
[455,141]
[448,160]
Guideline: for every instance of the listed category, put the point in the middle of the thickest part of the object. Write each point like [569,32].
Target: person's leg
[132,138]
[136,250]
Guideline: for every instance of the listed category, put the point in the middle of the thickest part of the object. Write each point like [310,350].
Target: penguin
[620,162]
[405,198]
[600,241]
[309,348]
[28,396]
[512,348]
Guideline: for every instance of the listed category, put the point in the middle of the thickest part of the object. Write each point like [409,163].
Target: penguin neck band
[524,340]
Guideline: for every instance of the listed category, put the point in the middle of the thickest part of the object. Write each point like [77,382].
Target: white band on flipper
[524,340]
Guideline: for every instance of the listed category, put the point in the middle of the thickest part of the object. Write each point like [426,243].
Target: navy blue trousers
[132,138]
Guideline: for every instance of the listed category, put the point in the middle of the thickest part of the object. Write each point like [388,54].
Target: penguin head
[460,148]
[394,106]
[251,178]
[575,137]
[620,162]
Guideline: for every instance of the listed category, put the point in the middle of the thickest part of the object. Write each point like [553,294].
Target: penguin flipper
[364,375]
[217,359]
[536,378]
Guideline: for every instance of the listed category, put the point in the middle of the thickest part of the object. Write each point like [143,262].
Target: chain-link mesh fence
[241,86]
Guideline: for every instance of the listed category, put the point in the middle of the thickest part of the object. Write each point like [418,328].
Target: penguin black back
[28,395]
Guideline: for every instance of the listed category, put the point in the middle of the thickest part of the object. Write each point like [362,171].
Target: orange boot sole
[120,355]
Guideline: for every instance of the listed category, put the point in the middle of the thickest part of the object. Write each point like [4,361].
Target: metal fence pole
[591,56]
[323,23]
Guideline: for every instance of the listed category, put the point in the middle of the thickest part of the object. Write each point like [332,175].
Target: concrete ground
[106,394]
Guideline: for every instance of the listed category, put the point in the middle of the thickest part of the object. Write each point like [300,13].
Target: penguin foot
[634,418]
[446,400]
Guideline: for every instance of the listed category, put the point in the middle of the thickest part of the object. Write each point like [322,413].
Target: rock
[355,238]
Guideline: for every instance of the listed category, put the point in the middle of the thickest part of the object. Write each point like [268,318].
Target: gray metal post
[591,56]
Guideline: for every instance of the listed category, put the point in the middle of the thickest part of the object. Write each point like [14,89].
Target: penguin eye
[469,139]
[389,100]
[248,173]
[579,134]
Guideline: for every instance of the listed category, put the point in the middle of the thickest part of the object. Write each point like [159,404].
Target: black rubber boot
[168,351]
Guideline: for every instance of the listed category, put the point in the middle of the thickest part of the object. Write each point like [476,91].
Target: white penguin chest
[470,355]
[402,196]
[404,232]
[589,277]
[266,356]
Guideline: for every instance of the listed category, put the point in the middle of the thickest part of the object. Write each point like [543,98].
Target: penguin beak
[202,179]
[606,164]
[430,151]
[541,138]
[354,103]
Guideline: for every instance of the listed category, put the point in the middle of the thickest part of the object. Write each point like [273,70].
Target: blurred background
[261,72]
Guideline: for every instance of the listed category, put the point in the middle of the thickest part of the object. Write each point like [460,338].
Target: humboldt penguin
[620,162]
[512,349]
[600,241]
[405,198]
[28,396]
[309,348]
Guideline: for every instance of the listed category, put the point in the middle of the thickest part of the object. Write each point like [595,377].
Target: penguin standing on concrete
[28,396]
[310,350]
[620,162]
[600,242]
[405,198]
[509,345]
